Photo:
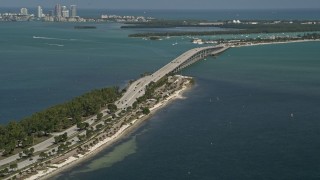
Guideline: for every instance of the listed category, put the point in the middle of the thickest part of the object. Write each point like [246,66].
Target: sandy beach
[124,130]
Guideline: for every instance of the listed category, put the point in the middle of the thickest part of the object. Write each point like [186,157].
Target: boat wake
[50,38]
[59,45]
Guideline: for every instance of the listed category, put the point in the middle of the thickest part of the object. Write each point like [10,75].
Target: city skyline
[170,4]
[59,13]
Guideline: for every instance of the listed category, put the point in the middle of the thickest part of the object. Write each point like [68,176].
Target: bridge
[137,88]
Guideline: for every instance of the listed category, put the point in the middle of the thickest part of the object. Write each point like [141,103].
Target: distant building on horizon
[73,10]
[39,12]
[24,11]
[65,13]
[64,8]
[58,11]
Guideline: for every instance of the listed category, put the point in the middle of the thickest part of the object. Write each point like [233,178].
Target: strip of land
[231,27]
[69,161]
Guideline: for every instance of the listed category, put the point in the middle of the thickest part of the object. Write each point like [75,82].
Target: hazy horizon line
[187,9]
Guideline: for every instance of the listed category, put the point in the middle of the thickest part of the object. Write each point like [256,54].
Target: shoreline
[123,131]
[271,43]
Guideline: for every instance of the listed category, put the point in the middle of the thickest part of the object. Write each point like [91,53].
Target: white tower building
[39,12]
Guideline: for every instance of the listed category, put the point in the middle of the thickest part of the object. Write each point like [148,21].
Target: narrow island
[85,27]
[228,27]
[91,135]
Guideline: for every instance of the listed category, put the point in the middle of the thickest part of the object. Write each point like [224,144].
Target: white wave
[59,45]
[50,38]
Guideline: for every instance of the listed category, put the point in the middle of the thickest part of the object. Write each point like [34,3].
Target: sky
[169,4]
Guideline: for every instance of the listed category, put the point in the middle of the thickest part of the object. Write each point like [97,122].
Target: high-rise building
[64,8]
[73,10]
[65,13]
[24,11]
[39,12]
[58,10]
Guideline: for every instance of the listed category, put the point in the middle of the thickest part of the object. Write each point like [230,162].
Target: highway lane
[137,88]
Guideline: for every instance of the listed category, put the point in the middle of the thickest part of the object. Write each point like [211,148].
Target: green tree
[99,116]
[135,105]
[99,126]
[81,137]
[13,166]
[82,126]
[43,155]
[9,148]
[25,151]
[113,108]
[145,111]
[30,152]
[61,138]
[4,172]
[89,133]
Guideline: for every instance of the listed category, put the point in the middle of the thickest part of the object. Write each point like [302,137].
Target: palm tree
[31,151]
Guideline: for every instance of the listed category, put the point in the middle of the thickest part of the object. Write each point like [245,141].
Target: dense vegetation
[55,119]
[305,36]
[151,88]
[310,36]
[236,29]
[163,24]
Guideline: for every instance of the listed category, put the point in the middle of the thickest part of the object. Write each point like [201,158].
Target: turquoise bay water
[253,113]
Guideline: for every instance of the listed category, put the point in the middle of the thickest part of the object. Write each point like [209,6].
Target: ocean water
[253,113]
[43,64]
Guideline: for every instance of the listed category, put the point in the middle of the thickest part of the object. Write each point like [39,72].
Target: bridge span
[137,88]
